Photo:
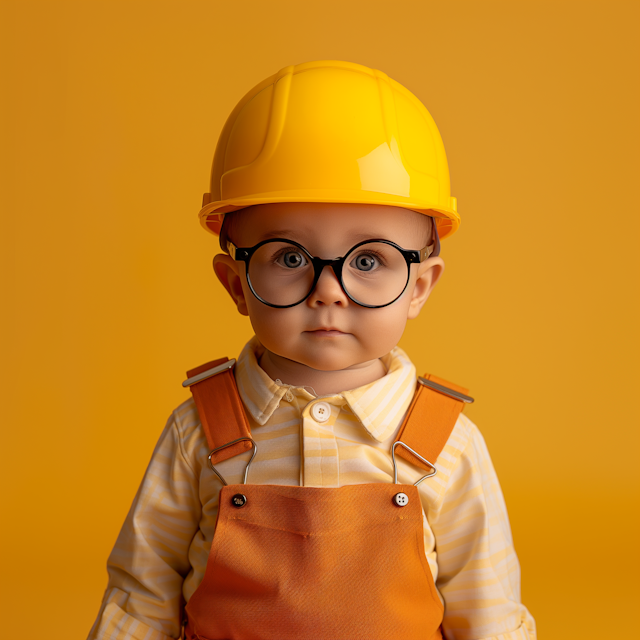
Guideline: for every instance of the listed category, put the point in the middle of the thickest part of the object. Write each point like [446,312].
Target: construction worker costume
[396,527]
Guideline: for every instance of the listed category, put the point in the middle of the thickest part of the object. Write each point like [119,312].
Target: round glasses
[282,273]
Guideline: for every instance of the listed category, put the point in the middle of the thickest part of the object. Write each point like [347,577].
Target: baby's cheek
[379,337]
[276,329]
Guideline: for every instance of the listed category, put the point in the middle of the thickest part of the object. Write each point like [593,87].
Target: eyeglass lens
[282,274]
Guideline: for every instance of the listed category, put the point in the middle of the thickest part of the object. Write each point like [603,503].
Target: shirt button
[320,412]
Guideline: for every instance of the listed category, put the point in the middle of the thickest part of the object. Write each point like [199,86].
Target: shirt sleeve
[149,562]
[478,570]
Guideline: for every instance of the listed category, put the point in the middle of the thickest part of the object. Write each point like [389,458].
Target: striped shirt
[161,553]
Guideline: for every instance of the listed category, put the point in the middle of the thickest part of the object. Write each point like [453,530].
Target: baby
[316,488]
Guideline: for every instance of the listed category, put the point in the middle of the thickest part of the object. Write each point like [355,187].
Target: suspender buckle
[417,455]
[456,395]
[209,373]
[224,446]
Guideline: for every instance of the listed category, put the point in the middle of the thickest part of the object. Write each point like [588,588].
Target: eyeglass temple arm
[432,249]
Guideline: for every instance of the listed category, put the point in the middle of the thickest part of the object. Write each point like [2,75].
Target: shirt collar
[379,405]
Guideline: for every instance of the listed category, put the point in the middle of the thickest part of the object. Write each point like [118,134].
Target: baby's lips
[329,332]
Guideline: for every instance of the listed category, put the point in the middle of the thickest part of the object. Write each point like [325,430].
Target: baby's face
[328,331]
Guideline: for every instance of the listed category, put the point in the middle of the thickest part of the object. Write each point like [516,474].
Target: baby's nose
[328,290]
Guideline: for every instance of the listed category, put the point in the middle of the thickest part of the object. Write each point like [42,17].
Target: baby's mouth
[326,331]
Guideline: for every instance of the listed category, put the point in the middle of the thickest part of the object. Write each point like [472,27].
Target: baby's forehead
[317,221]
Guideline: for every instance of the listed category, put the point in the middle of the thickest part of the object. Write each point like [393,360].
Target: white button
[401,499]
[320,411]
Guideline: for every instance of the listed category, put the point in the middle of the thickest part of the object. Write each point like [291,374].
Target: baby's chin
[333,363]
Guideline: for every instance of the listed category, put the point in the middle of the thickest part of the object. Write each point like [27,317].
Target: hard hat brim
[212,213]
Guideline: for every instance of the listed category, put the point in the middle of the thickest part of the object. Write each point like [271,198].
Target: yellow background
[111,112]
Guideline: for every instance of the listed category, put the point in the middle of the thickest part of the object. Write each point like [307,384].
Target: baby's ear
[227,270]
[429,273]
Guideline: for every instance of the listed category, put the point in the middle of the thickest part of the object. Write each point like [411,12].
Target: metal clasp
[456,395]
[417,455]
[209,373]
[224,446]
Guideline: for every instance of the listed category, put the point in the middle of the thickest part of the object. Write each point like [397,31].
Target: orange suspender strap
[430,419]
[426,428]
[219,407]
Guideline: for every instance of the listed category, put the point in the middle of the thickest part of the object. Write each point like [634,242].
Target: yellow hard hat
[330,131]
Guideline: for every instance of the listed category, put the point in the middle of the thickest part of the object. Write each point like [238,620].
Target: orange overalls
[298,563]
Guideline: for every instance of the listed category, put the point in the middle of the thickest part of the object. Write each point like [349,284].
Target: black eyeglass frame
[411,256]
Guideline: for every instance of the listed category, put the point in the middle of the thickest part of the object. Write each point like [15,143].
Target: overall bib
[298,563]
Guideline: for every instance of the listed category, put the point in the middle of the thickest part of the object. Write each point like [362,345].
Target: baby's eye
[292,259]
[365,262]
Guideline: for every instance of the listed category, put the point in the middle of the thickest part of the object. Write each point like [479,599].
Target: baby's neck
[324,383]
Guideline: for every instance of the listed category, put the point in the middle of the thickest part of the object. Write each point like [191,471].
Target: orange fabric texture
[436,410]
[304,562]
[220,410]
